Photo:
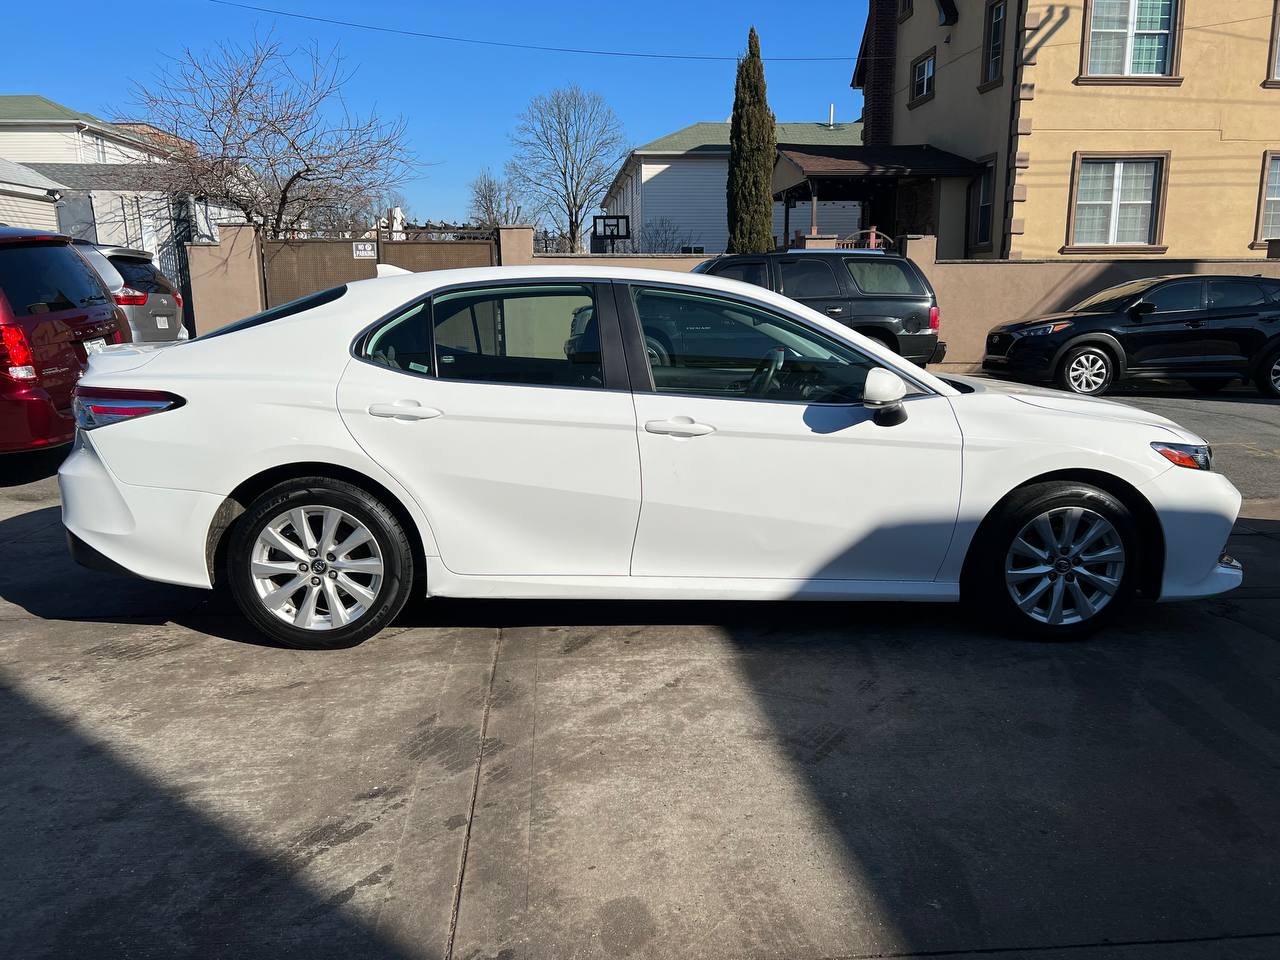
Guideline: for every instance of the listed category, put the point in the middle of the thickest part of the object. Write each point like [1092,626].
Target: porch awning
[797,165]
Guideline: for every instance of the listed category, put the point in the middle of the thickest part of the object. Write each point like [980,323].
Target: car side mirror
[1142,309]
[882,394]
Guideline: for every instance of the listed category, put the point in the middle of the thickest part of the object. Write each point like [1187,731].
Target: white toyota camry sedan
[587,432]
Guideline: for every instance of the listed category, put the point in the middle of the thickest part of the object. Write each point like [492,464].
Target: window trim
[905,9]
[1171,79]
[1079,158]
[971,245]
[985,84]
[1268,157]
[1272,76]
[613,356]
[633,339]
[912,100]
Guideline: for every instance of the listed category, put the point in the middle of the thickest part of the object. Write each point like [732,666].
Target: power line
[517,46]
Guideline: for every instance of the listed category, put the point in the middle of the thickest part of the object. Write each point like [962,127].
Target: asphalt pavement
[604,780]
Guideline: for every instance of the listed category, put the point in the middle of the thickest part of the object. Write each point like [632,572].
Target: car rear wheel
[1087,370]
[1269,374]
[320,564]
[1059,561]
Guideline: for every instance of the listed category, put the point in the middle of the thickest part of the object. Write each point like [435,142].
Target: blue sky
[461,101]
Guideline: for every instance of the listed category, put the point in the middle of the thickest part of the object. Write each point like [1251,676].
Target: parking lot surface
[550,780]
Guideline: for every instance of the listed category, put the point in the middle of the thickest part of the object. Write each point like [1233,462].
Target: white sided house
[673,189]
[27,198]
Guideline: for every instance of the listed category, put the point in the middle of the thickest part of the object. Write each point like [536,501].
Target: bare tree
[663,235]
[267,132]
[495,201]
[568,144]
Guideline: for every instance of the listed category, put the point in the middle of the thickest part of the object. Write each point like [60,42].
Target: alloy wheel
[1065,565]
[1087,373]
[316,567]
[1275,375]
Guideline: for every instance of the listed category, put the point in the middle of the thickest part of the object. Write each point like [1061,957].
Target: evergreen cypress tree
[752,148]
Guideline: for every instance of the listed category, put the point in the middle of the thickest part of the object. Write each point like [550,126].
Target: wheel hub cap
[316,567]
[1087,373]
[1065,565]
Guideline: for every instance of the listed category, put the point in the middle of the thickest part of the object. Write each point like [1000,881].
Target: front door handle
[404,410]
[835,310]
[679,427]
[1194,324]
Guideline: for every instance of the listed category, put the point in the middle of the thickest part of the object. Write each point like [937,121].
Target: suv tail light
[935,319]
[100,406]
[16,358]
[177,298]
[129,297]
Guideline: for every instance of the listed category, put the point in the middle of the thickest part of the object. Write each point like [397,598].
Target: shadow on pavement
[102,861]
[17,469]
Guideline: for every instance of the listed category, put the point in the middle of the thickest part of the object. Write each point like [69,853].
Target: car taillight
[99,406]
[16,358]
[129,297]
[935,318]
[177,298]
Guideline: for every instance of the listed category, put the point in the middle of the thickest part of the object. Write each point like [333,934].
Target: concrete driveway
[640,779]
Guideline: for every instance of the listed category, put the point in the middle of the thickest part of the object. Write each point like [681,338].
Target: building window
[922,70]
[904,9]
[993,44]
[1269,201]
[1117,201]
[981,208]
[1130,38]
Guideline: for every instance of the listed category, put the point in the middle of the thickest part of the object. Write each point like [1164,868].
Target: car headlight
[1044,328]
[1193,456]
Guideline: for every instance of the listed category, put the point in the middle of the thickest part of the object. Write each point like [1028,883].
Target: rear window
[887,277]
[302,304]
[141,275]
[47,278]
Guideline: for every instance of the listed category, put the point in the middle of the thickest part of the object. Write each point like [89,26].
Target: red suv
[54,312]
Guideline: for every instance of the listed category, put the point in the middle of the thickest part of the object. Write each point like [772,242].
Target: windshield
[1113,298]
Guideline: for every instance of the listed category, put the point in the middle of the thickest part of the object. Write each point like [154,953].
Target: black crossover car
[1206,330]
[882,295]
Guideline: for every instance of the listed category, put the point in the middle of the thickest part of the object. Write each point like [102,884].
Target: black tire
[1210,386]
[390,590]
[987,584]
[888,340]
[1268,379]
[1092,357]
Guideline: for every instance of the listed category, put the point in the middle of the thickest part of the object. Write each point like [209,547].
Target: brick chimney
[874,73]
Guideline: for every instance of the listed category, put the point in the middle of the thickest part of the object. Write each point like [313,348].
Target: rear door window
[808,278]
[876,276]
[1226,294]
[47,278]
[141,275]
[748,271]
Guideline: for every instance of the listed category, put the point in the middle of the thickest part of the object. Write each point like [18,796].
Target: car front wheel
[1269,375]
[1087,370]
[319,563]
[1059,561]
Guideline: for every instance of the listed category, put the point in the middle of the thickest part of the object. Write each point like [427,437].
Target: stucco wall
[226,277]
[1216,124]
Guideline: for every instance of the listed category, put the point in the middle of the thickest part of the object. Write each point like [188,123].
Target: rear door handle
[404,410]
[679,427]
[835,310]
[1194,324]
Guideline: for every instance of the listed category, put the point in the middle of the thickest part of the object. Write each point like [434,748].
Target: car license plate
[95,346]
[162,323]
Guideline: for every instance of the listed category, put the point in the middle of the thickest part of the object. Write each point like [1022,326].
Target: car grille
[998,344]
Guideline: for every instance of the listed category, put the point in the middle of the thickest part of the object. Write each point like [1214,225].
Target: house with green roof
[673,188]
[36,129]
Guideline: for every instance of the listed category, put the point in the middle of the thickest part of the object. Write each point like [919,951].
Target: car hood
[1033,321]
[1060,401]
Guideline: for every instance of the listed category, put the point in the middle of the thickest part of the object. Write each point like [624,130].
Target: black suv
[1206,330]
[881,295]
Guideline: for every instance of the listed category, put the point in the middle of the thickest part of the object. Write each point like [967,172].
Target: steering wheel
[766,370]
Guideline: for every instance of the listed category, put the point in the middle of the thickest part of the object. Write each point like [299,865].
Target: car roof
[810,252]
[21,234]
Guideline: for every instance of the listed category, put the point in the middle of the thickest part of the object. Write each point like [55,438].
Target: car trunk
[158,317]
[61,306]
